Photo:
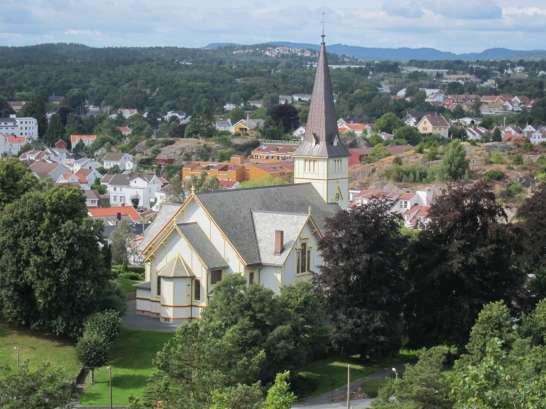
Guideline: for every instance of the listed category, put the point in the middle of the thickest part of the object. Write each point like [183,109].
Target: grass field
[126,280]
[132,357]
[37,349]
[331,373]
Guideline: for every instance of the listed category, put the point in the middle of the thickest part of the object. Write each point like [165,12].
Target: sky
[449,25]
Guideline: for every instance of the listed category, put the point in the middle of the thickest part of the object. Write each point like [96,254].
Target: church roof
[232,211]
[321,133]
[175,268]
[202,245]
[265,225]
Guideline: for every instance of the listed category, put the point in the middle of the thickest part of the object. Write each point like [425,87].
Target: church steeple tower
[322,158]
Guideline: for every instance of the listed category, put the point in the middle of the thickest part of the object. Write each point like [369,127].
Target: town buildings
[87,140]
[19,126]
[124,161]
[434,123]
[132,190]
[268,235]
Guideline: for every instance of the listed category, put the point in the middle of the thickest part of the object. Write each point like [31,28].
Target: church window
[215,276]
[197,290]
[304,258]
[158,285]
[251,277]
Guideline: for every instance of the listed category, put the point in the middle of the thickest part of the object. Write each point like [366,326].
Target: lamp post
[110,383]
[348,386]
[17,352]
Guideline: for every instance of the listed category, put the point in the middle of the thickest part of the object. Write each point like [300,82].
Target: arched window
[197,290]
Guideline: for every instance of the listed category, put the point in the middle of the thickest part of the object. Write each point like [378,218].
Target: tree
[236,114]
[203,183]
[388,122]
[532,214]
[279,396]
[466,256]
[15,180]
[55,130]
[54,261]
[238,397]
[120,241]
[408,133]
[92,352]
[246,335]
[285,117]
[424,385]
[105,324]
[41,388]
[497,135]
[36,108]
[378,152]
[454,164]
[5,109]
[362,278]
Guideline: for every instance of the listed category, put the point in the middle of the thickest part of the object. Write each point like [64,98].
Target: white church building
[268,235]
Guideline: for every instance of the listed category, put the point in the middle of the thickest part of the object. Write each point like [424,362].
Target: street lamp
[17,352]
[395,373]
[110,383]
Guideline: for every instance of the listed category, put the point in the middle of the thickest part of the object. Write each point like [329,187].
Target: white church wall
[270,277]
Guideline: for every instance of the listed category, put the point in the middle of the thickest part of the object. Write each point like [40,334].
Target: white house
[123,189]
[123,161]
[267,235]
[10,145]
[19,126]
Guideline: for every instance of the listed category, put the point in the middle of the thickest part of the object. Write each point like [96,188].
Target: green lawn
[132,357]
[126,280]
[331,373]
[37,349]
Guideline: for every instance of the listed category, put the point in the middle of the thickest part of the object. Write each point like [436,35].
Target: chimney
[279,242]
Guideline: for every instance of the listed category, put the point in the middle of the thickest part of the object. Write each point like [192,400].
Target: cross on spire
[323,23]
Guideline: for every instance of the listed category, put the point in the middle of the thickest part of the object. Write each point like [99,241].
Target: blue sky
[454,25]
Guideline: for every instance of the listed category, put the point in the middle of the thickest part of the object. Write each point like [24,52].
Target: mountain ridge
[401,53]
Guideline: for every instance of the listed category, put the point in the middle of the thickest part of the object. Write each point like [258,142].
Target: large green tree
[36,108]
[41,388]
[54,262]
[454,164]
[15,180]
[363,278]
[465,257]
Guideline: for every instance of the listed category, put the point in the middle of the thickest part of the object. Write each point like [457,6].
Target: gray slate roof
[321,136]
[166,212]
[202,245]
[232,211]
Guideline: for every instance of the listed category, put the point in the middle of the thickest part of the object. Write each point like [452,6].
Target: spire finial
[323,23]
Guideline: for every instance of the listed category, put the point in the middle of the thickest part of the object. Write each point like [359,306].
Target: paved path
[133,321]
[336,398]
[356,404]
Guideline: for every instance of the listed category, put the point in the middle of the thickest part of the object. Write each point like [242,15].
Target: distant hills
[404,53]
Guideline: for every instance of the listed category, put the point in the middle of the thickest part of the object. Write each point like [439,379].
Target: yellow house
[433,124]
[247,126]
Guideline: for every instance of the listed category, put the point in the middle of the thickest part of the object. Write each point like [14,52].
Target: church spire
[321,137]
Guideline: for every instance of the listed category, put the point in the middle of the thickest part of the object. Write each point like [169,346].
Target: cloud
[461,9]
[404,8]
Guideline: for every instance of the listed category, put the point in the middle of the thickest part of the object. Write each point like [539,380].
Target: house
[255,103]
[45,169]
[132,190]
[412,119]
[67,178]
[180,115]
[223,125]
[247,126]
[124,130]
[17,105]
[538,137]
[477,133]
[285,99]
[434,123]
[87,140]
[85,163]
[301,98]
[91,198]
[356,128]
[229,107]
[10,145]
[402,201]
[60,144]
[126,113]
[19,126]
[416,217]
[267,235]
[112,215]
[124,161]
[274,151]
[299,133]
[87,177]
